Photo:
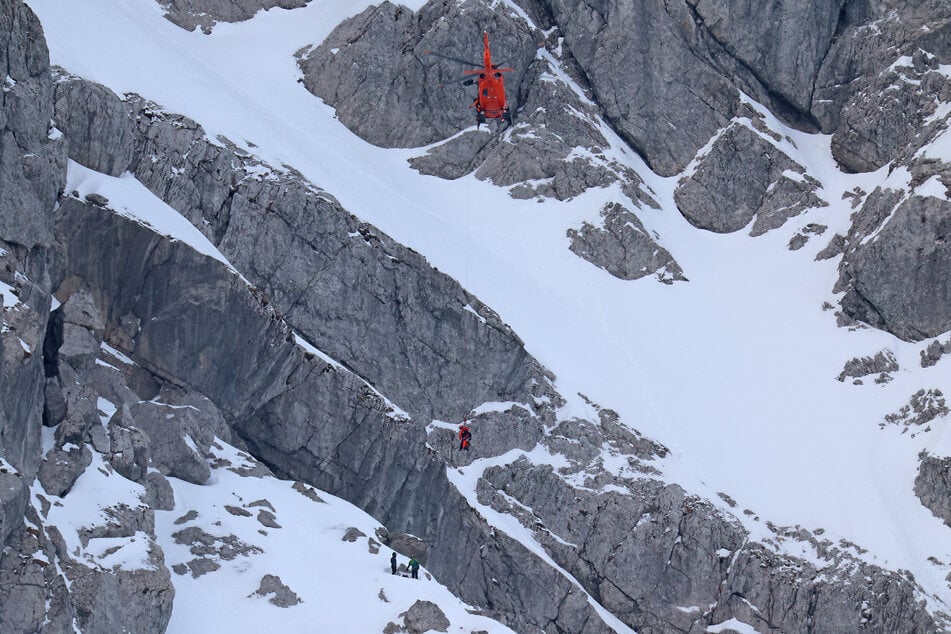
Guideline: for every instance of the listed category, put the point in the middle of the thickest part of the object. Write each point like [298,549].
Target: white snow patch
[732,625]
[122,358]
[131,199]
[10,299]
[498,407]
[106,409]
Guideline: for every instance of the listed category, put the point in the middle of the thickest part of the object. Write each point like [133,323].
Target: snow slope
[342,585]
[733,371]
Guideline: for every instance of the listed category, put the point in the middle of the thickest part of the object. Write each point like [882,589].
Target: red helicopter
[490,100]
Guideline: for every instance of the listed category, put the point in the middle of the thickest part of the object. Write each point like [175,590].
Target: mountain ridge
[568,428]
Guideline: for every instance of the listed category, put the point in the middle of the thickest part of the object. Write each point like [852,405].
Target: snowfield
[734,371]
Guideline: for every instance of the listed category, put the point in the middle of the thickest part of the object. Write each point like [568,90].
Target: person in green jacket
[414,567]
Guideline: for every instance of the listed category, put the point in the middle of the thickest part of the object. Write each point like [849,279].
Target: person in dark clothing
[393,562]
[464,437]
[414,567]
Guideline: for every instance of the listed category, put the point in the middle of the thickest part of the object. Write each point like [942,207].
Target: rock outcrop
[32,161]
[204,14]
[876,90]
[376,71]
[773,189]
[933,485]
[329,274]
[624,248]
[895,267]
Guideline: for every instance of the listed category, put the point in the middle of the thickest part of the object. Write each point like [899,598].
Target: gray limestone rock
[893,117]
[923,407]
[425,616]
[655,553]
[283,597]
[178,440]
[187,517]
[556,148]
[799,240]
[492,434]
[352,534]
[62,467]
[97,126]
[458,156]
[375,70]
[883,361]
[80,347]
[158,492]
[122,520]
[199,566]
[204,544]
[315,421]
[407,545]
[898,280]
[34,595]
[835,248]
[268,519]
[347,288]
[782,42]
[178,303]
[673,99]
[32,173]
[117,600]
[307,492]
[933,353]
[129,447]
[772,188]
[54,403]
[80,309]
[32,157]
[191,14]
[876,87]
[773,593]
[81,407]
[623,247]
[933,485]
[13,498]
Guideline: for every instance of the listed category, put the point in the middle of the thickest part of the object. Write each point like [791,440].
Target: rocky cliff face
[154,350]
[288,408]
[871,74]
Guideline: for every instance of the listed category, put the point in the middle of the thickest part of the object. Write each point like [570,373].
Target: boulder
[425,616]
[623,247]
[283,596]
[178,441]
[62,467]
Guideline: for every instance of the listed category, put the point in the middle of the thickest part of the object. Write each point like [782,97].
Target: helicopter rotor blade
[465,81]
[453,59]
